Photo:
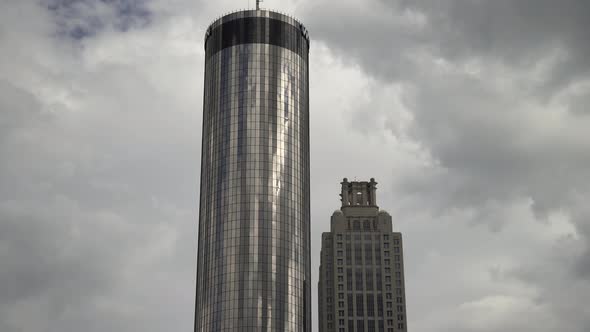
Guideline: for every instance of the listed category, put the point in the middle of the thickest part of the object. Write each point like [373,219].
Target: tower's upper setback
[359,208]
[253,265]
[358,193]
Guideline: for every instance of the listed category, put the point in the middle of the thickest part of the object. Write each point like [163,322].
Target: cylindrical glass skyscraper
[253,265]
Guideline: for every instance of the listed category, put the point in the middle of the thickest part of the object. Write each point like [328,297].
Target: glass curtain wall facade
[253,261]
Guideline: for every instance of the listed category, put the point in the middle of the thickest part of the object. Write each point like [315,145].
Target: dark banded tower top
[253,265]
[257,26]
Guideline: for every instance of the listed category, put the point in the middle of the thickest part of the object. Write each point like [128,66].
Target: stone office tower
[253,261]
[361,285]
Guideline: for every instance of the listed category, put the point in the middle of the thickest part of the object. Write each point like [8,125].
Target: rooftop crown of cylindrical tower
[257,26]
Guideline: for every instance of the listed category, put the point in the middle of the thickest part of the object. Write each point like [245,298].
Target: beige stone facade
[361,286]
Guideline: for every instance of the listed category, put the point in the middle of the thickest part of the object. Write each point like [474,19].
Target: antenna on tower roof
[258,4]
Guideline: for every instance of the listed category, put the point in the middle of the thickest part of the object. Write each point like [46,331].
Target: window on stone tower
[360,310]
[356,225]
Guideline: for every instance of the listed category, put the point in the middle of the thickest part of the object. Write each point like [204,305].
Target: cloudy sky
[473,116]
